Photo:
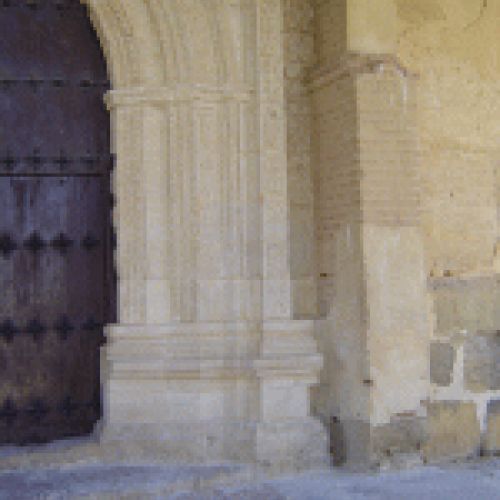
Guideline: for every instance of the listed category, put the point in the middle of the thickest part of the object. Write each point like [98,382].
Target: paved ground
[469,481]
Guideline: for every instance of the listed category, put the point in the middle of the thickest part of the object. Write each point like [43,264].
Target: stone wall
[465,364]
[454,46]
[400,146]
[372,298]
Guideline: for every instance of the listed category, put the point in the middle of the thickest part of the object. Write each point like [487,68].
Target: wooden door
[56,276]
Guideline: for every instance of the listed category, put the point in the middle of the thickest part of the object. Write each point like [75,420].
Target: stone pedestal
[208,392]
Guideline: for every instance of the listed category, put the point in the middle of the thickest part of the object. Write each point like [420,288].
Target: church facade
[307,229]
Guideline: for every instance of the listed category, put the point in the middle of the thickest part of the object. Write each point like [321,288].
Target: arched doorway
[57,284]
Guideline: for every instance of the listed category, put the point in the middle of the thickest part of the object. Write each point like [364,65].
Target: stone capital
[159,96]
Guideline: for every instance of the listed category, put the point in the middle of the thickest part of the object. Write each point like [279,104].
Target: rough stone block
[337,441]
[442,358]
[482,362]
[360,444]
[453,430]
[471,305]
[402,435]
[294,445]
[349,441]
[491,443]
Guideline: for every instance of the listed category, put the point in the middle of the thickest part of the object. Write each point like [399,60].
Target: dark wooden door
[56,276]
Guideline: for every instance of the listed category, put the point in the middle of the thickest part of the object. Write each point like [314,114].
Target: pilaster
[193,371]
[289,362]
[375,322]
[141,212]
[204,349]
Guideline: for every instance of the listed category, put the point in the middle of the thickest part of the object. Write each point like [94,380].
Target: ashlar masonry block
[491,439]
[482,361]
[453,429]
[442,358]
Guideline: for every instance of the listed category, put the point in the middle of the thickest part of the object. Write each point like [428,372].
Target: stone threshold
[83,468]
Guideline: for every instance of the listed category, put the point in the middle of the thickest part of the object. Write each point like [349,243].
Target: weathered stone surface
[442,360]
[491,442]
[203,236]
[370,253]
[402,435]
[466,304]
[482,361]
[349,441]
[453,430]
[358,443]
[337,442]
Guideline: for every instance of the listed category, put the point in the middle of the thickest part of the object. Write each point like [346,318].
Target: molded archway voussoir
[129,40]
[153,43]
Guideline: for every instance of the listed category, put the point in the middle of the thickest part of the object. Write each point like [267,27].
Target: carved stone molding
[158,96]
[355,64]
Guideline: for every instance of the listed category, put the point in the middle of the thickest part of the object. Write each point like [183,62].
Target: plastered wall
[454,46]
[287,161]
[431,124]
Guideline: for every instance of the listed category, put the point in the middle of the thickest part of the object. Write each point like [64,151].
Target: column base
[292,446]
[183,442]
[214,392]
[281,446]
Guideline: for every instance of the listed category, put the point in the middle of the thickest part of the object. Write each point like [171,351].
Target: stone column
[289,362]
[142,213]
[398,320]
[140,184]
[191,372]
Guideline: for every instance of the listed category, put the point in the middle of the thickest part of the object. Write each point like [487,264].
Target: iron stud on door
[8,330]
[34,243]
[63,327]
[35,329]
[68,406]
[91,325]
[35,159]
[37,410]
[62,243]
[8,161]
[8,412]
[89,161]
[35,83]
[7,245]
[62,161]
[90,242]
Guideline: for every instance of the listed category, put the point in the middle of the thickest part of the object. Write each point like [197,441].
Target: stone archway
[206,361]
